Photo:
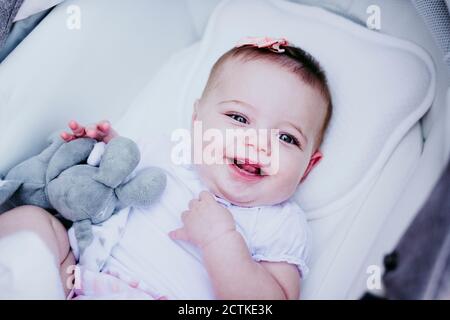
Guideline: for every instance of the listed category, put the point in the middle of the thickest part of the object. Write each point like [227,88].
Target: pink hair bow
[264,42]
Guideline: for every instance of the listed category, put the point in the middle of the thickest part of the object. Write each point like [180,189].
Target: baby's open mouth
[247,167]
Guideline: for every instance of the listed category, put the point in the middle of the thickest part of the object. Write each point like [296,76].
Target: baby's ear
[315,159]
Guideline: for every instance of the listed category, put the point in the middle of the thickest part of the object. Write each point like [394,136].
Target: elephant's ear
[55,141]
[7,189]
[68,155]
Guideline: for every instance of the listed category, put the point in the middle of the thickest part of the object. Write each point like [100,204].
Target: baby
[226,230]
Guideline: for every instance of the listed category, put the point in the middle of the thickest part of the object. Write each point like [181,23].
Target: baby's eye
[289,139]
[238,118]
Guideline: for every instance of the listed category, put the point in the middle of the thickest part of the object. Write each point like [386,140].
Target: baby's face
[261,95]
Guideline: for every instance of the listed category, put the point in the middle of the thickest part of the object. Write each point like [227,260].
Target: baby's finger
[179,234]
[192,204]
[106,131]
[94,133]
[67,136]
[78,130]
[104,126]
[73,124]
[91,133]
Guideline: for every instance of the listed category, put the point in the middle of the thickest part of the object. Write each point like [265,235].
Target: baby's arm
[236,276]
[233,272]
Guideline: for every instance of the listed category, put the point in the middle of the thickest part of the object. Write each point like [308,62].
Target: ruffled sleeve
[282,234]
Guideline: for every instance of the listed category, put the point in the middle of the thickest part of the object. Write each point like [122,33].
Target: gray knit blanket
[8,10]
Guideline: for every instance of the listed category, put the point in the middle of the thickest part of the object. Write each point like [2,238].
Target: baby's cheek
[292,162]
[283,186]
[292,167]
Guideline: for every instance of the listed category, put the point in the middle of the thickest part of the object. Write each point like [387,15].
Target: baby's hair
[293,59]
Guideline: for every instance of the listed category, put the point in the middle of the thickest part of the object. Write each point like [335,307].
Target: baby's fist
[205,221]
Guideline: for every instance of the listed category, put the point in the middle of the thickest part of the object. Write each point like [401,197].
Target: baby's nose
[261,145]
[259,148]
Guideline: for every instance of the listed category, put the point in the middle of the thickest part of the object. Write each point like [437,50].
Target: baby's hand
[205,221]
[101,131]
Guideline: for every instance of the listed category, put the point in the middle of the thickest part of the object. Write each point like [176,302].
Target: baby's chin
[241,201]
[218,181]
[242,198]
[239,193]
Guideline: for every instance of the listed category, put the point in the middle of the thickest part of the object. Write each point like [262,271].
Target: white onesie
[134,243]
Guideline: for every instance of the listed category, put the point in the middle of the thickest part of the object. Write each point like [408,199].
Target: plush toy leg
[143,189]
[7,189]
[120,159]
[83,234]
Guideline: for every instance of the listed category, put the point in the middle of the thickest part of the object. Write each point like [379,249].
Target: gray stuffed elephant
[60,179]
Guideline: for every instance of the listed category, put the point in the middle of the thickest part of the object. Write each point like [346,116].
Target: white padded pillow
[381,86]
